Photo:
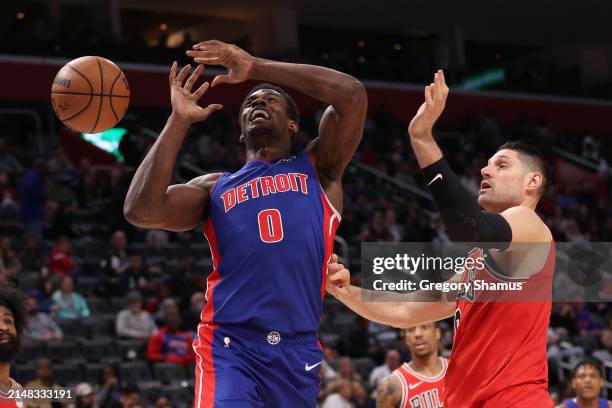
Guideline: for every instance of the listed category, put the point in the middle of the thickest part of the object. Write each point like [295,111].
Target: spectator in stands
[191,316]
[108,392]
[41,327]
[10,259]
[31,256]
[85,397]
[67,175]
[587,382]
[163,303]
[9,207]
[170,344]
[346,370]
[8,162]
[186,279]
[43,380]
[130,397]
[70,304]
[360,398]
[134,322]
[135,277]
[116,262]
[32,198]
[134,143]
[60,258]
[392,361]
[44,295]
[340,397]
[377,230]
[163,402]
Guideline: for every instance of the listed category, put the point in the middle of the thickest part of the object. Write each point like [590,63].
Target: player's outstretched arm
[389,393]
[150,201]
[342,124]
[418,307]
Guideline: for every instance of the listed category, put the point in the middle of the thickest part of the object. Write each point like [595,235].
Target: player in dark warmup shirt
[270,225]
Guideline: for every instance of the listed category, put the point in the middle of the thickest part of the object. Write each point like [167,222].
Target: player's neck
[429,366]
[5,374]
[266,154]
[588,403]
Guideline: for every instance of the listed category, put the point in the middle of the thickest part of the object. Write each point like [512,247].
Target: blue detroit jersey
[271,231]
[603,403]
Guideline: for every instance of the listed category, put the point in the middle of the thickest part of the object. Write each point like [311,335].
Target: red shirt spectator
[60,260]
[170,344]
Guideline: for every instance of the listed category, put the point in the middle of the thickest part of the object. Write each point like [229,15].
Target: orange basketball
[90,94]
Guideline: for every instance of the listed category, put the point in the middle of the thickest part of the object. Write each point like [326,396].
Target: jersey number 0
[270,225]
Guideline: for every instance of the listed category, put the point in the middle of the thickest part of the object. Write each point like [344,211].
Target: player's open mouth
[259,114]
[484,185]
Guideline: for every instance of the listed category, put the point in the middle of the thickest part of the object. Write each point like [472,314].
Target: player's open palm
[184,101]
[338,278]
[237,61]
[429,112]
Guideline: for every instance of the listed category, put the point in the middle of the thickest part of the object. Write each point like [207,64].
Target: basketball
[90,94]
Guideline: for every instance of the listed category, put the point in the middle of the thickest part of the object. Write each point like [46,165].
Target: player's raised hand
[237,61]
[184,102]
[338,278]
[429,112]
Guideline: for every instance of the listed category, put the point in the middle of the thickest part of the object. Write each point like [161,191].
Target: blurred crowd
[113,307]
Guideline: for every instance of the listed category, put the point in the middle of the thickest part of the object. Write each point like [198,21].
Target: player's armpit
[389,394]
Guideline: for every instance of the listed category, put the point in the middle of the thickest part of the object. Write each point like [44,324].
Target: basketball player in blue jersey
[270,225]
[587,382]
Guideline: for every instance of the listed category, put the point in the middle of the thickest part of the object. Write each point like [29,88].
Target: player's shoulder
[526,225]
[205,182]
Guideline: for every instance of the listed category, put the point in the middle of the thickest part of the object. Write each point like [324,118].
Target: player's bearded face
[9,346]
[264,114]
[503,180]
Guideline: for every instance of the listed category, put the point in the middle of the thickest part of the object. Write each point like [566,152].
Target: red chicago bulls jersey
[11,398]
[421,391]
[499,350]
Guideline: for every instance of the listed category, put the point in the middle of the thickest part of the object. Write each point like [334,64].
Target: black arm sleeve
[463,218]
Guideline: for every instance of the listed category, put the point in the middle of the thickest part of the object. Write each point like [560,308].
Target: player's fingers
[182,74]
[208,61]
[172,77]
[333,259]
[333,268]
[212,108]
[444,85]
[439,87]
[221,79]
[193,78]
[202,54]
[428,100]
[201,90]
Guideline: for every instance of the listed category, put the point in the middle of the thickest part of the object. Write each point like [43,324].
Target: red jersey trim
[425,378]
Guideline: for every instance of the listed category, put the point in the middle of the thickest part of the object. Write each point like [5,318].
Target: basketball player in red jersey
[499,350]
[419,383]
[12,323]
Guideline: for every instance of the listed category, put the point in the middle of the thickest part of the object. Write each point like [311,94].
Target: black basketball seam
[110,97]
[90,94]
[101,97]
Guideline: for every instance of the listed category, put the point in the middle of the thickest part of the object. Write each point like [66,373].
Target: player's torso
[419,391]
[500,340]
[602,403]
[271,231]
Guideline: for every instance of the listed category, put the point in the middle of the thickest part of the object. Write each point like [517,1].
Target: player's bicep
[184,207]
[389,394]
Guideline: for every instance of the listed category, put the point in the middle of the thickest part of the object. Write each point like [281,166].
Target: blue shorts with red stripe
[239,366]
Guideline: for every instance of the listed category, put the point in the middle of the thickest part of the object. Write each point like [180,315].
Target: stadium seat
[134,372]
[169,373]
[118,303]
[127,346]
[96,349]
[28,280]
[30,351]
[71,328]
[66,373]
[97,305]
[178,395]
[93,372]
[93,328]
[199,251]
[61,351]
[150,391]
[87,285]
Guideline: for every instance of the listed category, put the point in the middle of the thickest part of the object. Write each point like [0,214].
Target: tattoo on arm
[389,395]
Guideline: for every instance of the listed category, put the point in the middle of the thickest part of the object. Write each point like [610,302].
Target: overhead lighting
[361,59]
[163,26]
[361,43]
[397,47]
[325,55]
[20,15]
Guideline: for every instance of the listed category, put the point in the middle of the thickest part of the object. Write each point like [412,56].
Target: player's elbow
[356,94]
[138,216]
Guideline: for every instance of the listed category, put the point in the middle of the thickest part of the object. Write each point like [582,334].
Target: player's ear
[294,128]
[241,138]
[438,333]
[534,181]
